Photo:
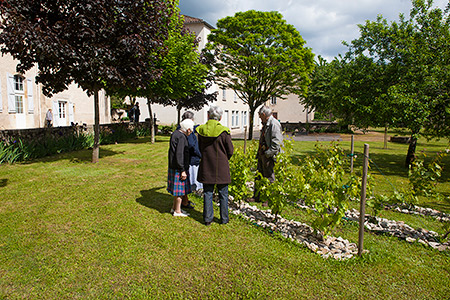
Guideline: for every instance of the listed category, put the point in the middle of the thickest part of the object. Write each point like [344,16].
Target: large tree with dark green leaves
[412,57]
[259,55]
[94,43]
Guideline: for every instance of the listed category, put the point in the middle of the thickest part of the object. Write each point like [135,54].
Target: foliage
[411,60]
[94,43]
[327,188]
[424,178]
[259,55]
[117,102]
[12,151]
[241,171]
[289,183]
[319,180]
[184,73]
[167,129]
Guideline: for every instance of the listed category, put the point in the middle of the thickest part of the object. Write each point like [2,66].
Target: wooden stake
[362,208]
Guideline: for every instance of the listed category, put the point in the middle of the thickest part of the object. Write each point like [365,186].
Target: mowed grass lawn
[70,229]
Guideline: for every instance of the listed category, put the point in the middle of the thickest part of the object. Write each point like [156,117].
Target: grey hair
[265,111]
[215,113]
[187,115]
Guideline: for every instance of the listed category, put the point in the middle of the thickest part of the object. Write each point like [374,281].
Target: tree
[184,72]
[259,55]
[94,43]
[414,57]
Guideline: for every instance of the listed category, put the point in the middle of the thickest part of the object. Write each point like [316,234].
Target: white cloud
[324,24]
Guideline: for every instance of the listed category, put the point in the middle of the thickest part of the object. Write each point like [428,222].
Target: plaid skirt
[175,185]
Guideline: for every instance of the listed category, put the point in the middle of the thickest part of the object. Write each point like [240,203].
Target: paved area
[301,137]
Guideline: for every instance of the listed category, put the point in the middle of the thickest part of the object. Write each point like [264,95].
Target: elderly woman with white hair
[178,183]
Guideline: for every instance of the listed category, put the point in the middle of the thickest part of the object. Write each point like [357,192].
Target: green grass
[70,229]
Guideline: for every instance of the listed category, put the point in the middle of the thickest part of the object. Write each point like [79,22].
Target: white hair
[187,124]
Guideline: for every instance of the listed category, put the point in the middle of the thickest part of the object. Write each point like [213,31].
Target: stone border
[417,210]
[399,229]
[395,228]
[337,248]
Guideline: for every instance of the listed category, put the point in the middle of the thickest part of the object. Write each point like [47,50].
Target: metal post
[352,153]
[362,208]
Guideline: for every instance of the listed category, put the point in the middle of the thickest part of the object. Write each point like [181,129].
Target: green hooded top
[212,128]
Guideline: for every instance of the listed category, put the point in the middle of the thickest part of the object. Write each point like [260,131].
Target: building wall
[72,104]
[290,110]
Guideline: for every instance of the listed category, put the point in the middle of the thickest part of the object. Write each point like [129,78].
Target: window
[224,94]
[235,97]
[62,110]
[234,118]
[244,118]
[18,83]
[273,100]
[19,104]
[19,94]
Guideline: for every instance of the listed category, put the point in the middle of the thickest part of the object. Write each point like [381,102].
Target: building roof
[192,20]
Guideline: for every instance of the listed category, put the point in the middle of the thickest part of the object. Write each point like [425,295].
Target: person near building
[49,118]
[137,112]
[214,171]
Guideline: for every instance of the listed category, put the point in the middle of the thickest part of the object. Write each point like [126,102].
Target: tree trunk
[178,115]
[411,151]
[250,122]
[96,147]
[385,135]
[152,123]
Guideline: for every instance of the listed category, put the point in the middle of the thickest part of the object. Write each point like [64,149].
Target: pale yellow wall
[290,110]
[84,105]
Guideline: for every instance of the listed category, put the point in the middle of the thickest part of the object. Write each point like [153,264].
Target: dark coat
[178,151]
[216,151]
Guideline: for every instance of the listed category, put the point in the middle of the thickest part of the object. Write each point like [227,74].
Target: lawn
[70,229]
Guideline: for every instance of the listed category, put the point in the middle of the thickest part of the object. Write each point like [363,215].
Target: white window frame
[19,94]
[224,94]
[273,100]
[62,109]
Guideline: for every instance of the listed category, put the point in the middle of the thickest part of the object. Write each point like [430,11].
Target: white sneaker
[183,211]
[181,214]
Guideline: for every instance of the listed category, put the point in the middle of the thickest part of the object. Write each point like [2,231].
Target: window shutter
[71,118]
[30,95]
[11,93]
[1,102]
[55,112]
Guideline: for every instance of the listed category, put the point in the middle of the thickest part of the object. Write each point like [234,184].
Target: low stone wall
[309,127]
[38,134]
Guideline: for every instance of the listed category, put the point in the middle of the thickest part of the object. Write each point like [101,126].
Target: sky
[323,24]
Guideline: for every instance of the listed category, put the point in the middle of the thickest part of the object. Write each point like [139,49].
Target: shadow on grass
[3,182]
[158,199]
[84,156]
[146,140]
[384,164]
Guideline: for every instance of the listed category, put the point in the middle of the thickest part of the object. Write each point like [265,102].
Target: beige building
[23,105]
[290,110]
